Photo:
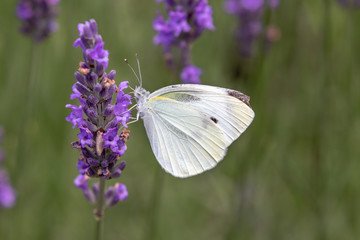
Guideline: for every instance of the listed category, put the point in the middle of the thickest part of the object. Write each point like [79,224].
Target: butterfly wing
[229,109]
[185,141]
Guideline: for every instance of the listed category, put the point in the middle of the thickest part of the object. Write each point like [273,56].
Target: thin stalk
[258,68]
[320,97]
[27,113]
[99,211]
[152,217]
[352,47]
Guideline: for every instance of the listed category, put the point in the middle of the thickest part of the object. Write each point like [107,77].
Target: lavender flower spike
[7,193]
[187,19]
[38,17]
[250,15]
[100,120]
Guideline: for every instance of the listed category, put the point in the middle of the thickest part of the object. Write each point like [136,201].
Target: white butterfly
[190,126]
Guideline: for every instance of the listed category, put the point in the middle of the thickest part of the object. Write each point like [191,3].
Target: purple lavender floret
[250,16]
[38,17]
[101,121]
[186,20]
[349,3]
[81,182]
[115,194]
[191,74]
[7,193]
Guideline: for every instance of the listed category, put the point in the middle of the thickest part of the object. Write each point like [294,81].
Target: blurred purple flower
[187,19]
[97,118]
[191,74]
[349,3]
[7,193]
[81,182]
[38,17]
[115,194]
[250,16]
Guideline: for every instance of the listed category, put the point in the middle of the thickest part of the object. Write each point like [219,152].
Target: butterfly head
[141,94]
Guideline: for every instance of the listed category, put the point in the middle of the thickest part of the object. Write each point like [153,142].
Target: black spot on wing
[214,119]
[242,97]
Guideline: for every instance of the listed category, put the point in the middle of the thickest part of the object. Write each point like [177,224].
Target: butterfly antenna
[138,62]
[126,61]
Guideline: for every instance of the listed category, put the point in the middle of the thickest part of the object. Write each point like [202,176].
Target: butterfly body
[190,126]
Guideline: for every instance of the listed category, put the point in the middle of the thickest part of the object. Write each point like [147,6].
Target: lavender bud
[93,162]
[88,58]
[98,87]
[95,189]
[100,68]
[84,65]
[104,163]
[109,194]
[117,170]
[82,89]
[80,78]
[103,92]
[107,102]
[92,77]
[98,39]
[90,172]
[112,157]
[112,90]
[93,27]
[92,99]
[87,31]
[122,165]
[90,196]
[90,112]
[111,165]
[112,124]
[108,92]
[109,110]
[91,126]
[87,153]
[111,74]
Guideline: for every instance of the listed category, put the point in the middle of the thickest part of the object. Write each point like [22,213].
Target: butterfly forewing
[227,108]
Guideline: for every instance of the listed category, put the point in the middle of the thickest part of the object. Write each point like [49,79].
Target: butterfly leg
[134,121]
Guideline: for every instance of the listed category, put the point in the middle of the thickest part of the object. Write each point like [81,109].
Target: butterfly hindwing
[184,140]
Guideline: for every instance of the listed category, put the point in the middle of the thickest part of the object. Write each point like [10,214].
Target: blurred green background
[294,174]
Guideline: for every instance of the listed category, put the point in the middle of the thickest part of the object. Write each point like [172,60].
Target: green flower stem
[26,115]
[99,211]
[155,202]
